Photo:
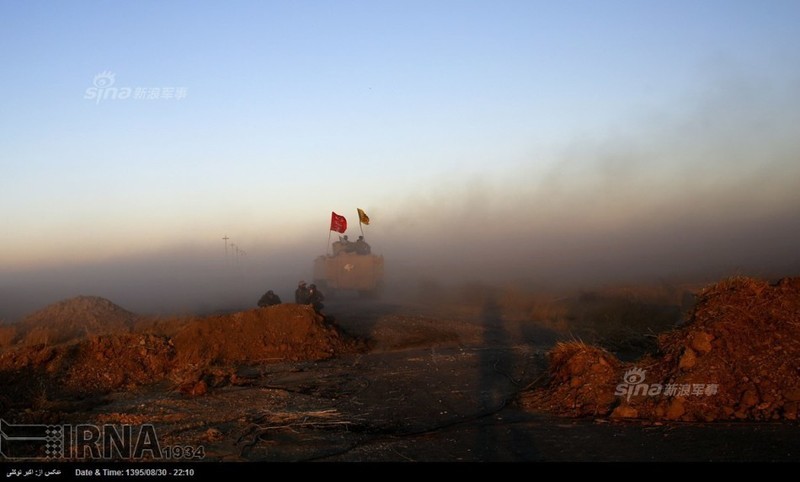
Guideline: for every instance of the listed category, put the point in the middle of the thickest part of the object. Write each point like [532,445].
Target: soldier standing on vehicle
[343,245]
[301,294]
[269,299]
[362,247]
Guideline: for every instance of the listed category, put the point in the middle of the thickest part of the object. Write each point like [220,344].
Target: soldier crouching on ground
[301,294]
[315,298]
[269,299]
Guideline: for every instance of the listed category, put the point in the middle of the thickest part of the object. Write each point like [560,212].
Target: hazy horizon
[565,144]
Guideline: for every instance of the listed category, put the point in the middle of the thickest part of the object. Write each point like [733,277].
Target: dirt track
[430,389]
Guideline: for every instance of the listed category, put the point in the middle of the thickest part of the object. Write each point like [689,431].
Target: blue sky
[295,109]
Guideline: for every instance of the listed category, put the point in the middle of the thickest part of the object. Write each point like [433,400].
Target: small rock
[688,360]
[200,388]
[709,417]
[676,409]
[625,411]
[213,435]
[749,398]
[701,342]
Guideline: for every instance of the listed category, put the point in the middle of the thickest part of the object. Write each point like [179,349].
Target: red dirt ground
[203,351]
[737,357]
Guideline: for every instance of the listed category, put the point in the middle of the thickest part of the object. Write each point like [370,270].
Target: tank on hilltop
[351,267]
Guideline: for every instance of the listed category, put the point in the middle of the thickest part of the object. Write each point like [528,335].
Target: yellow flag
[362,216]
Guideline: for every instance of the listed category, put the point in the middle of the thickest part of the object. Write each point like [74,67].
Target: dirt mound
[96,365]
[286,332]
[205,351]
[582,380]
[735,359]
[72,319]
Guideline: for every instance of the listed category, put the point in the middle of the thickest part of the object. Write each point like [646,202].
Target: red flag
[338,223]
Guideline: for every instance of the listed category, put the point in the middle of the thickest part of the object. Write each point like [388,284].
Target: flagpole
[328,246]
[360,224]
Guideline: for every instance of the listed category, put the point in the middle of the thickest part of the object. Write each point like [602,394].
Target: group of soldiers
[303,295]
[310,294]
[345,246]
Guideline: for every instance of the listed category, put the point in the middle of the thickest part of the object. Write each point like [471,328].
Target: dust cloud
[179,280]
[703,190]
